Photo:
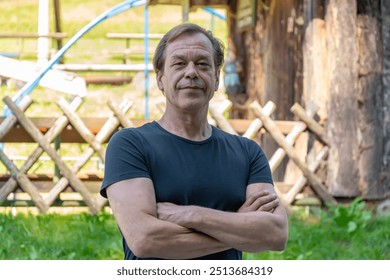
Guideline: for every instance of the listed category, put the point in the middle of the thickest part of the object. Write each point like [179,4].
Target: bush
[351,218]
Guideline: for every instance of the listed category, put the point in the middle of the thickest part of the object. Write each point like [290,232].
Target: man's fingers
[263,201]
[255,197]
[270,206]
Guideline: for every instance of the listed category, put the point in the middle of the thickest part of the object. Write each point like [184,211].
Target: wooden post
[342,127]
[39,138]
[315,67]
[43,29]
[278,136]
[57,17]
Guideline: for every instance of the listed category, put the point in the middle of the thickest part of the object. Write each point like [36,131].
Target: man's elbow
[278,240]
[279,243]
[274,240]
[141,246]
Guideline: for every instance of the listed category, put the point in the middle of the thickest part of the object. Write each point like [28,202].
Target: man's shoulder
[134,133]
[237,141]
[220,134]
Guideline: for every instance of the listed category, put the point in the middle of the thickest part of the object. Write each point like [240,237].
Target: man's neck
[190,126]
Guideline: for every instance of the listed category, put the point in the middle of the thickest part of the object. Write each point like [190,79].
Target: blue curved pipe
[214,13]
[29,87]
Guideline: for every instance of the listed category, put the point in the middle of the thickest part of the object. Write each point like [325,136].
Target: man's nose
[191,71]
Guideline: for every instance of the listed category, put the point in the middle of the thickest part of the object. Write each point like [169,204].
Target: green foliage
[351,218]
[59,237]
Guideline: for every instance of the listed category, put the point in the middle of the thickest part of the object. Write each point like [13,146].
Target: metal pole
[186,10]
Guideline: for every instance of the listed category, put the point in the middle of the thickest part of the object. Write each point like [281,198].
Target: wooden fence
[19,187]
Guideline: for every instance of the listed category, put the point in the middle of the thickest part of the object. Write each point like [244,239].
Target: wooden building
[328,55]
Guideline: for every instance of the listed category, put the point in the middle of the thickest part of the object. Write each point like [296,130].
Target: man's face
[189,77]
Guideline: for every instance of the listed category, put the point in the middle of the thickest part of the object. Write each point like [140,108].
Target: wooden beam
[342,123]
[8,123]
[77,123]
[24,183]
[39,138]
[56,80]
[122,118]
[277,135]
[257,124]
[54,131]
[57,35]
[104,67]
[134,36]
[298,186]
[316,128]
[221,121]
[107,130]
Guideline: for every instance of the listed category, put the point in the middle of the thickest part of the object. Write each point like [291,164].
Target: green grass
[320,240]
[81,236]
[59,237]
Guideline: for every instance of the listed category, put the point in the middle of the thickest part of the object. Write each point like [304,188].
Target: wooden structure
[21,37]
[330,55]
[72,188]
[130,50]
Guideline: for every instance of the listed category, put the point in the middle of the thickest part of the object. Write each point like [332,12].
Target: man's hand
[170,212]
[261,201]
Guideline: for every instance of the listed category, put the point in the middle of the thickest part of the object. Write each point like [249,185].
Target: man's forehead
[192,51]
[195,41]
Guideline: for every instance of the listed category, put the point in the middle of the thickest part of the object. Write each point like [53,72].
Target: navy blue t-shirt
[212,173]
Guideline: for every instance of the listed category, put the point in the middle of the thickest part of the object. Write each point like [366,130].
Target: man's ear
[160,83]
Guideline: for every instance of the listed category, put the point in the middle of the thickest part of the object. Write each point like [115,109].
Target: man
[180,188]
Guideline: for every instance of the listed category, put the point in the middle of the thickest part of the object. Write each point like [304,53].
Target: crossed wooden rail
[95,203]
[118,118]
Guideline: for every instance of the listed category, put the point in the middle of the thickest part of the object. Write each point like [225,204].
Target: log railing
[20,187]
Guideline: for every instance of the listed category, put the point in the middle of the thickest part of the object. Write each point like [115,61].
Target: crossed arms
[166,230]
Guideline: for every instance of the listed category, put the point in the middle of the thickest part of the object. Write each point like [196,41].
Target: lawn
[86,237]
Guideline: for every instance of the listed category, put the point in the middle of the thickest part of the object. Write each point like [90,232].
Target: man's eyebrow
[199,57]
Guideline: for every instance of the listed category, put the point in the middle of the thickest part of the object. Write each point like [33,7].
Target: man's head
[187,28]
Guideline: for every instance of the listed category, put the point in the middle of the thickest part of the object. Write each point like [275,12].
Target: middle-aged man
[180,188]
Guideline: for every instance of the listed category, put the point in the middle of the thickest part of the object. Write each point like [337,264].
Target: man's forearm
[252,231]
[162,239]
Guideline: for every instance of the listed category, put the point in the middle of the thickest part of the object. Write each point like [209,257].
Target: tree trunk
[370,105]
[385,15]
[385,8]
[343,169]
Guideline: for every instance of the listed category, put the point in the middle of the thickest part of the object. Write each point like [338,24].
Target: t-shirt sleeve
[125,159]
[260,171]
